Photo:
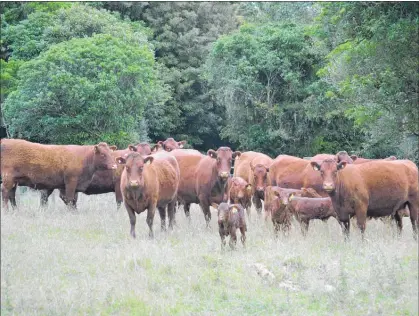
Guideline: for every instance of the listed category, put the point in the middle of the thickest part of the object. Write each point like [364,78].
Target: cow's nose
[259,189]
[328,187]
[224,174]
[134,183]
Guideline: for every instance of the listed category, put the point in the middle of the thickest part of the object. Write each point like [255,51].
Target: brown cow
[103,181]
[48,167]
[254,168]
[149,182]
[142,148]
[240,192]
[230,218]
[276,200]
[305,209]
[211,178]
[169,144]
[373,189]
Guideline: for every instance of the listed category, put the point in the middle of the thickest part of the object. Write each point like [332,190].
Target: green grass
[57,262]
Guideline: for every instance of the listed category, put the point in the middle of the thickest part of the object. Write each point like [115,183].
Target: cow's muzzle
[134,184]
[224,175]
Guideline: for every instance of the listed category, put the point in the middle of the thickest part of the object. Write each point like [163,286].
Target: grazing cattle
[230,218]
[305,209]
[211,176]
[170,144]
[48,167]
[240,192]
[147,183]
[373,189]
[276,200]
[254,168]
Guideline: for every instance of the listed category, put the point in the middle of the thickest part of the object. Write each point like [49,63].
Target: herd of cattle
[166,175]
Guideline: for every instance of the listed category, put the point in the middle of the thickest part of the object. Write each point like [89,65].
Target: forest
[280,78]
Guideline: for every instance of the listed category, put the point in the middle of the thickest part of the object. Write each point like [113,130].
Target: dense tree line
[295,78]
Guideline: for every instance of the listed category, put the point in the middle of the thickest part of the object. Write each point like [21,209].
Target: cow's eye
[322,172]
[141,168]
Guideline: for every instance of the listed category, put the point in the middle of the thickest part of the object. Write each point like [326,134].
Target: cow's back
[242,165]
[288,171]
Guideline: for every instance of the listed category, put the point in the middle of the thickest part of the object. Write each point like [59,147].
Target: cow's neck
[88,168]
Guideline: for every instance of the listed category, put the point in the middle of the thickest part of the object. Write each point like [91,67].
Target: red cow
[148,183]
[373,189]
[254,168]
[48,167]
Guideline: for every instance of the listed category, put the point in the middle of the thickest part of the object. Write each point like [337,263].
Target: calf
[305,209]
[372,189]
[230,218]
[276,201]
[48,167]
[240,192]
[149,182]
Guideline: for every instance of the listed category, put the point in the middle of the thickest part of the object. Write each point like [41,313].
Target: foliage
[373,68]
[83,91]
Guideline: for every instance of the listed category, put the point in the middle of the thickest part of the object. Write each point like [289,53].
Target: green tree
[83,91]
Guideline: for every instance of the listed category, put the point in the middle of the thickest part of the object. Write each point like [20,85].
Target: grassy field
[56,262]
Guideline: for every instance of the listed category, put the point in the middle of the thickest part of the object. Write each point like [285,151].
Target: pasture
[60,262]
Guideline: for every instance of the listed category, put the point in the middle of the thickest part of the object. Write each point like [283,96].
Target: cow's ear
[182,143]
[237,154]
[276,193]
[341,165]
[132,148]
[120,160]
[249,187]
[113,147]
[155,147]
[148,160]
[315,166]
[96,149]
[212,153]
[290,197]
[214,205]
[354,157]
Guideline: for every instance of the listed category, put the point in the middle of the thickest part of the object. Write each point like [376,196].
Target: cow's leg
[186,208]
[150,217]
[5,197]
[162,212]
[361,220]
[44,197]
[171,208]
[304,227]
[205,206]
[132,219]
[70,192]
[7,189]
[118,194]
[233,238]
[414,209]
[399,222]
[346,225]
[12,196]
[243,235]
[222,236]
[258,204]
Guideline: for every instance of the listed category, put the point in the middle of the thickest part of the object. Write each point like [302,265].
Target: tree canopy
[294,78]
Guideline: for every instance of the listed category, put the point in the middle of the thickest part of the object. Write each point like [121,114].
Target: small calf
[306,209]
[230,218]
[276,205]
[240,193]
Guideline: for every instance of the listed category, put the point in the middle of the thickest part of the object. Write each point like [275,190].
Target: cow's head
[283,197]
[224,157]
[260,178]
[134,168]
[143,148]
[343,156]
[329,172]
[223,212]
[170,144]
[310,192]
[103,159]
[242,188]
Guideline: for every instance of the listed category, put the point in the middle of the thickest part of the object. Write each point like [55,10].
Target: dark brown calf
[48,167]
[240,192]
[305,209]
[372,189]
[230,218]
[147,183]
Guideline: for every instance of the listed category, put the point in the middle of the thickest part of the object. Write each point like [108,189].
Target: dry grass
[54,262]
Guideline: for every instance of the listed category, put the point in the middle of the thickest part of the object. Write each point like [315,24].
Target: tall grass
[58,262]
